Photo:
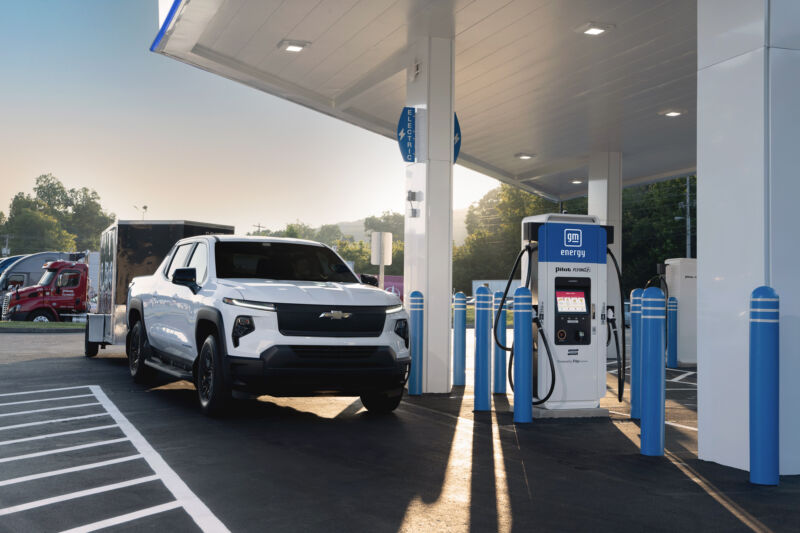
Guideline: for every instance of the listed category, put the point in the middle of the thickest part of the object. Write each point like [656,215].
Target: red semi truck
[61,291]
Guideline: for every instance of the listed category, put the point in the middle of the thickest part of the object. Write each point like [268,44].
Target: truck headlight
[243,325]
[250,304]
[401,329]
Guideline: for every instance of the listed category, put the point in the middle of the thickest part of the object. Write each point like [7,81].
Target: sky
[83,98]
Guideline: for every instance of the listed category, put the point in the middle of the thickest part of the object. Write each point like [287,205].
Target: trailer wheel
[41,315]
[89,348]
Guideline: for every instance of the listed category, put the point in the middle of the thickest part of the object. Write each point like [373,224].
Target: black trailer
[131,248]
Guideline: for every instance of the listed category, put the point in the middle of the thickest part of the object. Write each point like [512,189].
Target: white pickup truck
[283,317]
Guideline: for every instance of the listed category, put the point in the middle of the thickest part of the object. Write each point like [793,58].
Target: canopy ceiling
[527,79]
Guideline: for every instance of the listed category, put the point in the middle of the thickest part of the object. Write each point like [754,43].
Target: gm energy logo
[573,238]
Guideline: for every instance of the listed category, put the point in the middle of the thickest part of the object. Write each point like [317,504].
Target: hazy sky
[82,97]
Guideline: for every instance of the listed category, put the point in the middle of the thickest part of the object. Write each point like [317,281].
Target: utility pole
[688,217]
[258,227]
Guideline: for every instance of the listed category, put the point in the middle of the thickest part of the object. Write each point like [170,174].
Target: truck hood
[310,292]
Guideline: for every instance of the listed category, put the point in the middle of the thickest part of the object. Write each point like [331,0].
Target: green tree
[329,234]
[299,230]
[34,231]
[390,222]
[52,196]
[86,219]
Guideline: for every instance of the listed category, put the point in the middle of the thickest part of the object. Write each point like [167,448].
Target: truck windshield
[280,261]
[46,278]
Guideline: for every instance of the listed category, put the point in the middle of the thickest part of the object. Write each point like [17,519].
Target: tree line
[54,218]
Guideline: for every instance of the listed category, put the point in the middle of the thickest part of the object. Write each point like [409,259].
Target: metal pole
[688,217]
[483,330]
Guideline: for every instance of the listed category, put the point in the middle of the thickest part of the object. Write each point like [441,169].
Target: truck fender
[135,304]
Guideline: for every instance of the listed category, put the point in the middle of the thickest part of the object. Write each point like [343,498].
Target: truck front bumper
[306,370]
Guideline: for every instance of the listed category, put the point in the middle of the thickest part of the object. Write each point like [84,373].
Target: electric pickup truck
[258,315]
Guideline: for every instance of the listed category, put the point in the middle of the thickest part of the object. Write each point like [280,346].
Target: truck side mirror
[369,279]
[186,277]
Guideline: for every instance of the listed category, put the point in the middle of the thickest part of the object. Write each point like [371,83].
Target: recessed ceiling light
[671,112]
[593,28]
[577,182]
[293,46]
[524,156]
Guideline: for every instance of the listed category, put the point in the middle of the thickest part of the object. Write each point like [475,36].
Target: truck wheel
[89,348]
[41,315]
[139,347]
[212,391]
[382,402]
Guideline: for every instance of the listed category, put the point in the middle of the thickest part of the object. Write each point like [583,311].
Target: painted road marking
[69,470]
[682,376]
[196,509]
[59,434]
[62,450]
[78,494]
[49,409]
[43,390]
[184,497]
[56,420]
[47,399]
[125,518]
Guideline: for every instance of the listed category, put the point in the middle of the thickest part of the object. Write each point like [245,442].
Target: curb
[38,330]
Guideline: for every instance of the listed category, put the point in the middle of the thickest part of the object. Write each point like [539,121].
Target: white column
[748,127]
[605,201]
[429,235]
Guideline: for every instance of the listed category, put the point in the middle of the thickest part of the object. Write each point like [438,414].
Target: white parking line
[69,470]
[47,399]
[53,421]
[684,375]
[62,450]
[43,390]
[196,509]
[78,494]
[184,497]
[125,518]
[59,434]
[49,409]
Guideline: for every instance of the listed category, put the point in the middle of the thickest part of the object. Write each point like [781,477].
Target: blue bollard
[417,309]
[499,353]
[483,332]
[523,356]
[459,339]
[764,386]
[653,346]
[672,328]
[636,353]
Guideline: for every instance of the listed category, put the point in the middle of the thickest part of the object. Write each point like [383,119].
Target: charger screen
[571,301]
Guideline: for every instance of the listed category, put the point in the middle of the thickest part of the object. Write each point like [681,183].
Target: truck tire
[139,348]
[212,390]
[382,402]
[89,348]
[41,315]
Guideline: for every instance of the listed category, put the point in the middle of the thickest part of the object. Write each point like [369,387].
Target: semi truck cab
[61,291]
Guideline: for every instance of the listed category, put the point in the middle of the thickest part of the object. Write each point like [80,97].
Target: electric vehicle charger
[579,335]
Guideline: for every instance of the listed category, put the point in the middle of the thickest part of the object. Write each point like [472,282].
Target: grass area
[471,317]
[42,325]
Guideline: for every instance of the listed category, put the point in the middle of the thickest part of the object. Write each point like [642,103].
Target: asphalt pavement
[91,449]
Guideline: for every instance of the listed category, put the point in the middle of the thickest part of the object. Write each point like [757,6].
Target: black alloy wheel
[212,390]
[137,353]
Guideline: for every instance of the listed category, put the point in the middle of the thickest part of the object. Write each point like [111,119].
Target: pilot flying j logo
[573,238]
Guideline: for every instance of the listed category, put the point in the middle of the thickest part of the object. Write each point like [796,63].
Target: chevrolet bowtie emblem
[335,315]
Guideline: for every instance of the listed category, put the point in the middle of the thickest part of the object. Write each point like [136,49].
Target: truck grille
[6,302]
[330,321]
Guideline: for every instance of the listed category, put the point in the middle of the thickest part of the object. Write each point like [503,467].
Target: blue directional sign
[407,134]
[456,138]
